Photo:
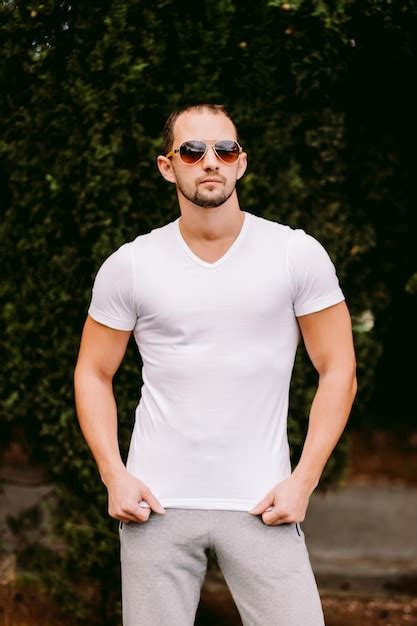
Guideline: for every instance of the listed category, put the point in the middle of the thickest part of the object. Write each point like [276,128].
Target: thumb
[144,509]
[149,500]
[263,504]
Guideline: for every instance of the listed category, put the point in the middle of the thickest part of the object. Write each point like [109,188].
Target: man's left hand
[284,503]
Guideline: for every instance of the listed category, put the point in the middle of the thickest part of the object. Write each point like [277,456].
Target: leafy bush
[87,89]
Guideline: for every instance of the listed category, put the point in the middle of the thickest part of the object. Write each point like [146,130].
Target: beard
[205,199]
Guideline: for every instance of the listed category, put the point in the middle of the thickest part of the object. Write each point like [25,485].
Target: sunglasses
[193,151]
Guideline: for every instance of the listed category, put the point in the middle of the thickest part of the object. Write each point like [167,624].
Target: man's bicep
[328,338]
[102,348]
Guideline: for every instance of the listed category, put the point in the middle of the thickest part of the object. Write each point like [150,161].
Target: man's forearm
[97,415]
[329,414]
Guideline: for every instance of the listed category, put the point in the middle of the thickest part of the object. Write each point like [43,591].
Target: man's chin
[207,202]
[206,199]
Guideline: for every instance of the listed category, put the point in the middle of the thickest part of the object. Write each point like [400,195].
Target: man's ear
[165,167]
[242,165]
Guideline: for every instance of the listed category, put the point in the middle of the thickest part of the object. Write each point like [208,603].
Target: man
[217,300]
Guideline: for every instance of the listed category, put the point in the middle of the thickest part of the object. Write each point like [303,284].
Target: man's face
[211,181]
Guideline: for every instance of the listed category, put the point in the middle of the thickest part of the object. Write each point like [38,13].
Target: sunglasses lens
[192,151]
[227,150]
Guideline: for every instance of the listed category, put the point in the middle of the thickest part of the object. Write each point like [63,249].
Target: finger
[274,519]
[128,515]
[269,514]
[135,515]
[135,511]
[126,519]
[153,502]
[267,501]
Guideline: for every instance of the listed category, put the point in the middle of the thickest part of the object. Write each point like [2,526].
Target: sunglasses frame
[208,145]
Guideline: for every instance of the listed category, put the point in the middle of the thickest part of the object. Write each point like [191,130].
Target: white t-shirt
[218,343]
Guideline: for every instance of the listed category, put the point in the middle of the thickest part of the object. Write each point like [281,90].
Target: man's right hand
[127,498]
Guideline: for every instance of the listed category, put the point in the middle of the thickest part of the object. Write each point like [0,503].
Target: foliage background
[323,95]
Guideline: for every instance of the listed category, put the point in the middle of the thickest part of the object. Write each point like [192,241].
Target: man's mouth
[211,180]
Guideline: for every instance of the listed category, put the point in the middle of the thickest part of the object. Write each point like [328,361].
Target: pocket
[299,531]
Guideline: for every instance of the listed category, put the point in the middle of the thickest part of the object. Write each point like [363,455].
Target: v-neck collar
[228,252]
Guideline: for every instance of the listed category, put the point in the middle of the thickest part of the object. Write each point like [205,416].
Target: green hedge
[86,89]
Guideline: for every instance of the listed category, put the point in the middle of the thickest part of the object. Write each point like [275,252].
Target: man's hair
[168,133]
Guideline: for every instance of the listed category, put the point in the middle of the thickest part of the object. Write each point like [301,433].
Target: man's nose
[210,160]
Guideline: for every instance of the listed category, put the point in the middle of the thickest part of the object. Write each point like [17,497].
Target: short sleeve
[112,295]
[313,278]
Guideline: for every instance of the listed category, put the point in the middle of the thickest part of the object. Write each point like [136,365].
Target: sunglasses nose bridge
[210,155]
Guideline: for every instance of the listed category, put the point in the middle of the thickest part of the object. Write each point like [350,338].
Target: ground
[217,609]
[339,610]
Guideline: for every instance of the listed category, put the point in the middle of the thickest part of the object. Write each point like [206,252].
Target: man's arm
[101,351]
[328,339]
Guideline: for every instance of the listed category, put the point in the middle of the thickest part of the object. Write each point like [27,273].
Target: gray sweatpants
[267,568]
